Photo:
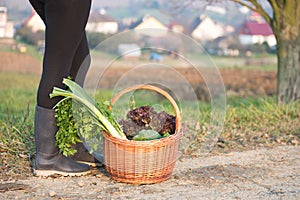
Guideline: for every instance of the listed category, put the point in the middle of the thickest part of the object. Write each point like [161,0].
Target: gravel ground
[264,173]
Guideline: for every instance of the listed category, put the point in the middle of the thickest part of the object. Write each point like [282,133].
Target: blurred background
[235,38]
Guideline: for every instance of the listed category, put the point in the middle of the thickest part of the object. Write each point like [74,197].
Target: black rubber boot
[48,160]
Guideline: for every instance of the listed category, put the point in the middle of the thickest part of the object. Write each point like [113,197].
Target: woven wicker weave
[142,162]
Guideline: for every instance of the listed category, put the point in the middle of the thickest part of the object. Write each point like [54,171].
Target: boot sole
[47,173]
[91,164]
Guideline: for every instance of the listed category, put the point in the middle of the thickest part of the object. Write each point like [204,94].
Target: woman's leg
[65,22]
[81,61]
[65,28]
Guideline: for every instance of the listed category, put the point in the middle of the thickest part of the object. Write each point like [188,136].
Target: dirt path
[256,174]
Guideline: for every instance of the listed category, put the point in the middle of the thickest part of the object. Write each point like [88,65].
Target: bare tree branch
[274,4]
[256,7]
[178,6]
[261,10]
[244,4]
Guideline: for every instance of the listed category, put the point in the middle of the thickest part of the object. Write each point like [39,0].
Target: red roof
[255,28]
[27,19]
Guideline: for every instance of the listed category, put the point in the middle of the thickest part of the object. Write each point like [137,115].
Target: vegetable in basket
[147,135]
[92,117]
[146,118]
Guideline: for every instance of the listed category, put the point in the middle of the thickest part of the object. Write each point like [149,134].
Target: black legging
[66,47]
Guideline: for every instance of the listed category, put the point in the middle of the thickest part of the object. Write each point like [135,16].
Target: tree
[285,24]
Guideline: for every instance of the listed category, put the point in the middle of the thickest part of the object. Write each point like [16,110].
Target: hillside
[132,8]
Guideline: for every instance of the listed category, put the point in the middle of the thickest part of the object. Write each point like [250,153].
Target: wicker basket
[142,162]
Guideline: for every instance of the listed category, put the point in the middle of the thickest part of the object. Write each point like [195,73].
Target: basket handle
[158,90]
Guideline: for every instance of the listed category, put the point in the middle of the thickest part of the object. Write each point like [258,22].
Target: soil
[257,174]
[18,62]
[237,82]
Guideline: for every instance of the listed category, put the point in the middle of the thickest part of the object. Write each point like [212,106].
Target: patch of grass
[254,122]
[33,51]
[17,143]
[249,123]
[30,49]
[17,91]
[267,63]
[17,96]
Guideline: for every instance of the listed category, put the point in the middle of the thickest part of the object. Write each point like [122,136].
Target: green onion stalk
[106,122]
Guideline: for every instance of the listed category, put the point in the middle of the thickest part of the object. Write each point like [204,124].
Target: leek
[106,121]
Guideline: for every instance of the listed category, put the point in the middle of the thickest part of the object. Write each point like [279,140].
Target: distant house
[148,22]
[224,46]
[6,27]
[256,31]
[102,23]
[177,27]
[126,22]
[35,22]
[205,29]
